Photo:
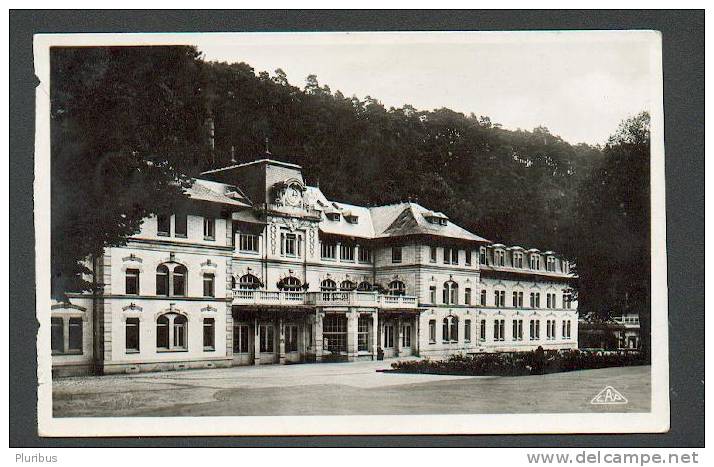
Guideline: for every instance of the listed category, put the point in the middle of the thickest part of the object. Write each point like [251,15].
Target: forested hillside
[113,109]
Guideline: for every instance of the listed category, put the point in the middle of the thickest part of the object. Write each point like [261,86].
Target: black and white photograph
[351,233]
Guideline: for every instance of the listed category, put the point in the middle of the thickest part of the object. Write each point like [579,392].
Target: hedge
[536,362]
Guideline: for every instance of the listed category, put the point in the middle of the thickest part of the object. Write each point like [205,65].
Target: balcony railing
[332,298]
[267,297]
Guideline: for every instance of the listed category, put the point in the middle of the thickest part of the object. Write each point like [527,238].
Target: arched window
[162,280]
[171,332]
[397,288]
[347,285]
[180,322]
[450,293]
[179,279]
[162,332]
[364,286]
[291,284]
[249,282]
[328,285]
[450,329]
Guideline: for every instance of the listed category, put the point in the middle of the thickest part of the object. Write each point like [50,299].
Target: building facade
[259,268]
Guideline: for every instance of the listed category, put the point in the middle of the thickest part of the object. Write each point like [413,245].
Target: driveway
[342,389]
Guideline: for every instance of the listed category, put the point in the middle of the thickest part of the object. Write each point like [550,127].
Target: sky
[578,85]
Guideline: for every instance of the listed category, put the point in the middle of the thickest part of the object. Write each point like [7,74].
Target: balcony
[267,297]
[333,298]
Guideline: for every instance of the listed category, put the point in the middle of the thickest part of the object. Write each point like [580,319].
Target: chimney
[233,154]
[210,127]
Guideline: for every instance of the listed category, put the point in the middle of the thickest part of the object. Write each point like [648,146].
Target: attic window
[352,219]
[333,216]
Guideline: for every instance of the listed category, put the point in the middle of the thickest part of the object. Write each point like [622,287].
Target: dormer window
[517,260]
[436,218]
[500,257]
[351,218]
[550,263]
[333,216]
[535,261]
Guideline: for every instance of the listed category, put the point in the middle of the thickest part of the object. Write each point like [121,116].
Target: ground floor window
[499,326]
[131,343]
[566,329]
[267,338]
[57,335]
[388,336]
[209,334]
[406,335]
[240,338]
[334,333]
[482,331]
[171,330]
[363,324]
[467,330]
[75,335]
[450,329]
[291,338]
[432,331]
[517,329]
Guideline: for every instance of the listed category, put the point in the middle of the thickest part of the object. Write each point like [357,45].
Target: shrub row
[536,362]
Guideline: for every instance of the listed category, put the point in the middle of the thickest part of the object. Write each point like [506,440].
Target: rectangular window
[432,331]
[406,335]
[240,338]
[454,331]
[499,298]
[447,255]
[482,255]
[291,338]
[181,225]
[131,341]
[515,299]
[396,254]
[266,338]
[483,297]
[347,252]
[365,254]
[363,324]
[547,329]
[537,299]
[517,260]
[432,254]
[482,331]
[57,325]
[499,326]
[163,225]
[209,281]
[289,244]
[468,257]
[248,243]
[75,335]
[454,256]
[132,282]
[388,336]
[209,334]
[517,329]
[467,296]
[432,294]
[467,330]
[209,228]
[328,250]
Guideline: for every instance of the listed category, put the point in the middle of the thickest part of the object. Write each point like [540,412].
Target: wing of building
[260,268]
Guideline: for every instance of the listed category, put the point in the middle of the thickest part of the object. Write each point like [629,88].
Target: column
[281,340]
[397,335]
[256,342]
[375,334]
[318,336]
[352,335]
[416,337]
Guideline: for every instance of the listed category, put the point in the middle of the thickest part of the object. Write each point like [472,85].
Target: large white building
[259,268]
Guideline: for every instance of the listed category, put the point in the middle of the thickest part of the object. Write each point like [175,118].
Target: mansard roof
[411,219]
[215,192]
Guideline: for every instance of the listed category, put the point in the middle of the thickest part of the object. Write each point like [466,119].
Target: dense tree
[127,129]
[613,218]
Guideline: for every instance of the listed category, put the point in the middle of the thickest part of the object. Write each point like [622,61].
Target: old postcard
[350,233]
